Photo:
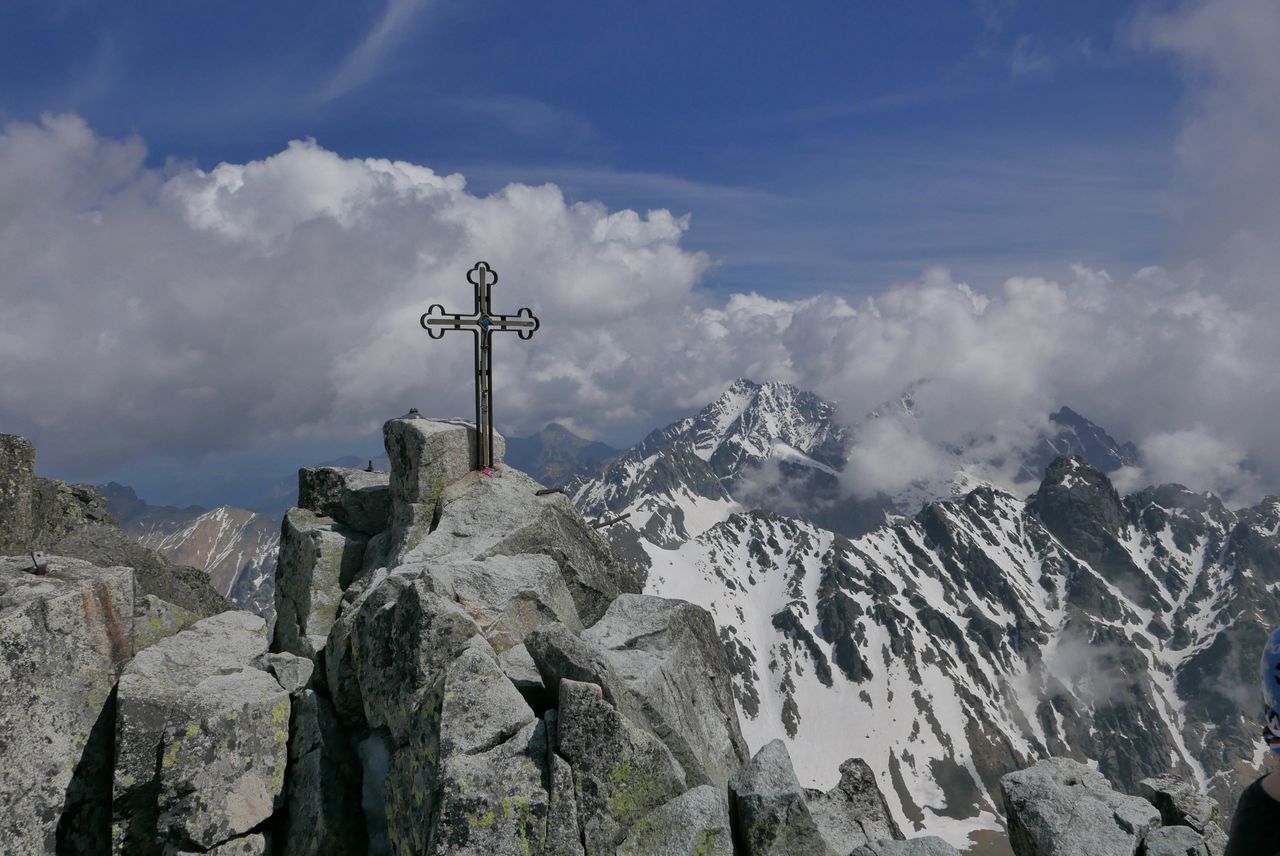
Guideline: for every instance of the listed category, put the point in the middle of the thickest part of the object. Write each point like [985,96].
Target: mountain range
[979,627]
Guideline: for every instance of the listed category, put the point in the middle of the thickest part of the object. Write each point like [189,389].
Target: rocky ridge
[460,665]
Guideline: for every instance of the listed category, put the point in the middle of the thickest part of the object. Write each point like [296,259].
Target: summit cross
[481,323]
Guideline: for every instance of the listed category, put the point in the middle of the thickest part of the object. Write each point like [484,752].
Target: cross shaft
[481,323]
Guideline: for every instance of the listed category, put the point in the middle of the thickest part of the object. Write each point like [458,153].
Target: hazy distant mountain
[555,454]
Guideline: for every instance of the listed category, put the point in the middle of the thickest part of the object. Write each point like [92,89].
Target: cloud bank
[175,311]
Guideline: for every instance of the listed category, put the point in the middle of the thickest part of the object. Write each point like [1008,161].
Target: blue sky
[220,222]
[821,146]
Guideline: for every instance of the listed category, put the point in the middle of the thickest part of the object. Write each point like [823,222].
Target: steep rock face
[63,639]
[318,559]
[773,816]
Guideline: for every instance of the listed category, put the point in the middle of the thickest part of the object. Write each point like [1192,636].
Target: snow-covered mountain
[977,634]
[235,547]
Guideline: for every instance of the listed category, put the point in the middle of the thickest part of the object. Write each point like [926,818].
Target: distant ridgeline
[459,663]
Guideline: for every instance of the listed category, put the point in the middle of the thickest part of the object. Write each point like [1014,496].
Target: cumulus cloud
[179,311]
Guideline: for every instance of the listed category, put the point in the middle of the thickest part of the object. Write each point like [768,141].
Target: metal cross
[481,322]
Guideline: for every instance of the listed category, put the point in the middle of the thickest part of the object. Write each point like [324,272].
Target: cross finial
[481,323]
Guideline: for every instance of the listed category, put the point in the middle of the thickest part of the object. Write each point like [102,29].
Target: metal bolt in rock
[39,563]
[481,322]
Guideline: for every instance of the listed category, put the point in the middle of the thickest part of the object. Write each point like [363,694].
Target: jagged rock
[769,807]
[1180,802]
[1175,841]
[620,771]
[150,697]
[324,816]
[388,649]
[669,655]
[929,845]
[1060,807]
[222,762]
[158,619]
[355,499]
[64,637]
[426,457]
[291,671]
[854,812]
[559,654]
[475,760]
[318,559]
[17,492]
[506,595]
[696,823]
[494,801]
[593,573]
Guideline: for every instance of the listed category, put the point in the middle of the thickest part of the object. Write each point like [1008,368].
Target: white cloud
[176,311]
[364,61]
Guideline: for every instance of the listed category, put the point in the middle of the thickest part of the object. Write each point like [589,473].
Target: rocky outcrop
[200,733]
[474,673]
[64,637]
[769,806]
[1060,807]
[929,845]
[854,812]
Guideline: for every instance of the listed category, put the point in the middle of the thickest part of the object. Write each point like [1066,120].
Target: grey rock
[246,845]
[475,761]
[669,655]
[506,595]
[318,559]
[559,654]
[1180,802]
[593,573]
[389,647]
[222,762]
[292,672]
[1175,841]
[324,816]
[150,697]
[1060,807]
[518,666]
[929,845]
[696,823]
[1215,839]
[769,807]
[63,639]
[494,801]
[621,772]
[426,457]
[355,499]
[854,812]
[158,619]
[17,492]
[563,837]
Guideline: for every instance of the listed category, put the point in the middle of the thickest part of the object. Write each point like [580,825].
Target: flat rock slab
[63,639]
[1060,807]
